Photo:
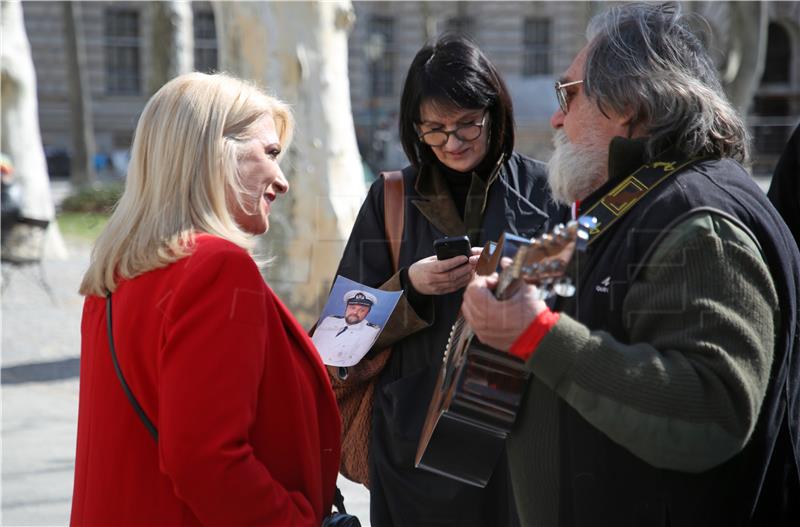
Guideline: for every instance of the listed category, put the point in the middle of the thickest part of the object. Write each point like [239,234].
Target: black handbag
[334,519]
[341,518]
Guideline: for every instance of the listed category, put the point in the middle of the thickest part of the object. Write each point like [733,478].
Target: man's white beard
[575,171]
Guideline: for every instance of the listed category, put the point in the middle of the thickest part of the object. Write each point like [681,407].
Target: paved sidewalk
[40,354]
[40,349]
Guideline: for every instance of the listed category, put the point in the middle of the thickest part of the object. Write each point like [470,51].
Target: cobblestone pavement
[40,353]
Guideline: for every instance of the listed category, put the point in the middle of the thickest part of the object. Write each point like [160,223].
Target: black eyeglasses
[465,133]
[561,94]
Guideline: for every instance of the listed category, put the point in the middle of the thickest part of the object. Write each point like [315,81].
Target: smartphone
[452,246]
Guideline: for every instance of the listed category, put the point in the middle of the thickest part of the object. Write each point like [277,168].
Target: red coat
[248,425]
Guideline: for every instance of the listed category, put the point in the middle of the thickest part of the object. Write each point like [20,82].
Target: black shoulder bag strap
[128,393]
[338,499]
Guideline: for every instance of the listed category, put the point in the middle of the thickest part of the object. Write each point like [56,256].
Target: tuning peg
[543,292]
[564,288]
[585,225]
[587,222]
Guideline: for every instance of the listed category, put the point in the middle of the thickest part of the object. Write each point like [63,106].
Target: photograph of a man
[352,320]
[343,336]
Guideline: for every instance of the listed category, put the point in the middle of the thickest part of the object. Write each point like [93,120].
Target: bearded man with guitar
[666,390]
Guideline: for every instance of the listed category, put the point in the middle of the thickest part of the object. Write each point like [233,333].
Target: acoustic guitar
[479,389]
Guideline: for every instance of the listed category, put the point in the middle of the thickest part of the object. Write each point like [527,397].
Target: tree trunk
[20,138]
[748,26]
[298,50]
[82,171]
[172,42]
[428,22]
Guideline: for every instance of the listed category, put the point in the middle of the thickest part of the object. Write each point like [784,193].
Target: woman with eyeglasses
[457,129]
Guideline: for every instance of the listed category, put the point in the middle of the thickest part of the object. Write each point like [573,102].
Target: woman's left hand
[476,255]
[430,276]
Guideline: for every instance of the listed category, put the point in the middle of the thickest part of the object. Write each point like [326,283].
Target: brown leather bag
[355,393]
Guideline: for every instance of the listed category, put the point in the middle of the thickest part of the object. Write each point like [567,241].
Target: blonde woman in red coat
[248,429]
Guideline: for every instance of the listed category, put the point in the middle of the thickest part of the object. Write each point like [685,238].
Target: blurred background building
[530,42]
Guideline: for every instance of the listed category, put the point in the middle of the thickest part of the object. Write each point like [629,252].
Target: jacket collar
[436,203]
[624,157]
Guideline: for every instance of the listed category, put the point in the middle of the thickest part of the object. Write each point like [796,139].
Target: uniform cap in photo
[361,298]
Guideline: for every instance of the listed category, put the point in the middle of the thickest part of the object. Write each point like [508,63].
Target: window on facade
[122,64]
[779,52]
[771,106]
[460,25]
[205,42]
[121,140]
[537,46]
[769,133]
[381,56]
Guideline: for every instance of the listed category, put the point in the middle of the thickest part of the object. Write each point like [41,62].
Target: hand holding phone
[452,246]
[444,272]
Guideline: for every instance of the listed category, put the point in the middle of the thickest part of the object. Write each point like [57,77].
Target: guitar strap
[630,190]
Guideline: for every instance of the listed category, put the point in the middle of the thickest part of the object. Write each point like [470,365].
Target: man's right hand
[430,276]
[498,323]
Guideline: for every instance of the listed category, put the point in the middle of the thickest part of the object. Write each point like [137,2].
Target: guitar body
[472,412]
[479,389]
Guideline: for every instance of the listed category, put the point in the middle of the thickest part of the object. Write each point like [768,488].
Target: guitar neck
[508,281]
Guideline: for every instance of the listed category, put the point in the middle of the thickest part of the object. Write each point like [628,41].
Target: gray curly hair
[645,59]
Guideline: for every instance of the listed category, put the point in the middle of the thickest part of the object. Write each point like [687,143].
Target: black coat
[784,191]
[516,201]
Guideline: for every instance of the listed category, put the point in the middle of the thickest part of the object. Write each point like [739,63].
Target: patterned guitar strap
[619,200]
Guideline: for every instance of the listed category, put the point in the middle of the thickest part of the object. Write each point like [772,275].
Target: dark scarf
[459,183]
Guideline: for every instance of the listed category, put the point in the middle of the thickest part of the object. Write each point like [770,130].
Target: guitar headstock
[547,257]
[490,257]
[542,261]
[492,253]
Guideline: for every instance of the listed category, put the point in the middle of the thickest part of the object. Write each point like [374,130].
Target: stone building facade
[117,39]
[530,42]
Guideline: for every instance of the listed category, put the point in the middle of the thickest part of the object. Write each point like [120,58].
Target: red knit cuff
[527,342]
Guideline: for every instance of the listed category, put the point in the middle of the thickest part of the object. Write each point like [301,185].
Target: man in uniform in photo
[344,336]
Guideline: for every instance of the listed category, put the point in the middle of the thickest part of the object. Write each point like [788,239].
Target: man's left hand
[499,323]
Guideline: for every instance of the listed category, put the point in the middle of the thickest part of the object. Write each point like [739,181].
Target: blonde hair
[183,168]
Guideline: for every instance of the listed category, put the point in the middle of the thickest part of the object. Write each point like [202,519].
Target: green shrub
[81,225]
[99,198]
